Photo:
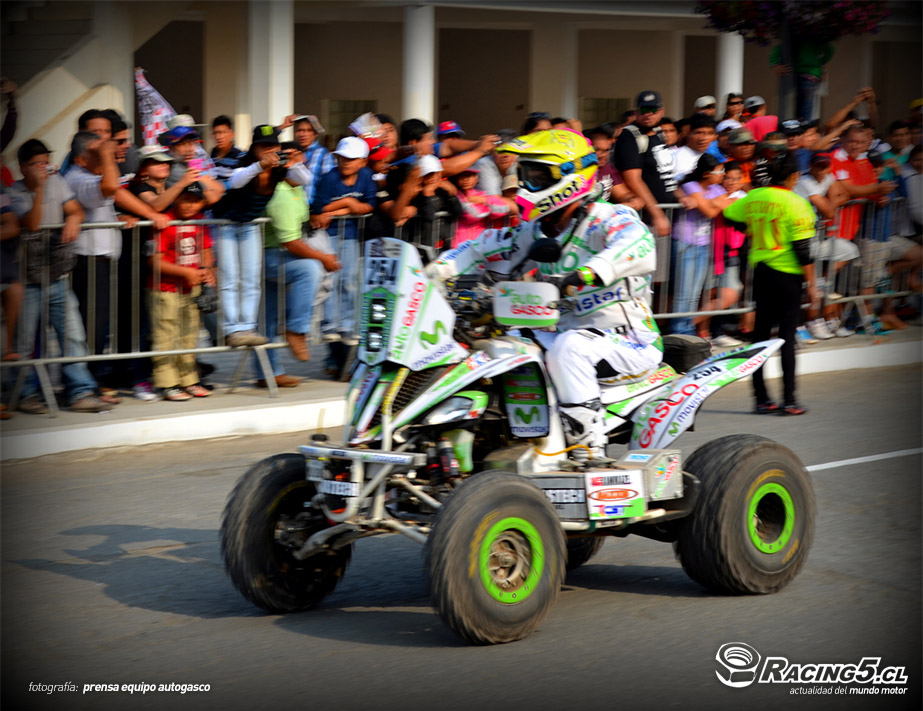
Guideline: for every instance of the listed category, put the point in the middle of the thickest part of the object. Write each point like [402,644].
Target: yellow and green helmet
[555,168]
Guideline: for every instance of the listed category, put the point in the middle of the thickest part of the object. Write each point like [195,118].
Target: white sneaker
[330,337]
[349,340]
[726,341]
[838,329]
[144,392]
[818,329]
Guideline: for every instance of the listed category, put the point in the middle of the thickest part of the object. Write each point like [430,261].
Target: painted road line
[863,460]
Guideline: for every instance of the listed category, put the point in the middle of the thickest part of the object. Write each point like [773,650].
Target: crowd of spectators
[323,197]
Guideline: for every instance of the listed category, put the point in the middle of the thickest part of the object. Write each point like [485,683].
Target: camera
[283,157]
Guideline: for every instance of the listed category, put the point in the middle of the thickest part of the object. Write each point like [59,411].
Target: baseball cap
[739,136]
[775,141]
[314,121]
[352,147]
[178,135]
[470,169]
[194,189]
[728,124]
[184,120]
[704,101]
[265,135]
[649,99]
[429,164]
[447,127]
[754,101]
[377,151]
[154,153]
[792,127]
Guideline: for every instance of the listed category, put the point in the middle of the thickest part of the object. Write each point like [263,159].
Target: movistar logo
[528,415]
[431,338]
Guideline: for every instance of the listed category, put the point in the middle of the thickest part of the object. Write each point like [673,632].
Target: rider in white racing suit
[607,254]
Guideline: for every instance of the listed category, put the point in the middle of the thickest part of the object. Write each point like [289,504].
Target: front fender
[672,411]
[475,367]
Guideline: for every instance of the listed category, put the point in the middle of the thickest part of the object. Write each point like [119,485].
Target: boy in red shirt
[181,262]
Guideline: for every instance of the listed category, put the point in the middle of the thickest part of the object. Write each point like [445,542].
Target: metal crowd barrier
[120,332]
[854,285]
[875,225]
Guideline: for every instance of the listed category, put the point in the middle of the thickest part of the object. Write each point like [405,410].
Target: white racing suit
[611,327]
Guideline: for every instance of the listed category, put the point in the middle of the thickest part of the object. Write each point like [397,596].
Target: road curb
[308,416]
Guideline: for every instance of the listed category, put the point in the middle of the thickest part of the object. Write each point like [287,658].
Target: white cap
[429,164]
[753,101]
[704,101]
[726,124]
[352,147]
[182,120]
[155,152]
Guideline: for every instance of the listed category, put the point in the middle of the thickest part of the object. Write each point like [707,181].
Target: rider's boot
[584,425]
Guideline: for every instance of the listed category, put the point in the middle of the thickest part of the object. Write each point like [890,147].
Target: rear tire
[753,525]
[495,558]
[264,522]
[581,548]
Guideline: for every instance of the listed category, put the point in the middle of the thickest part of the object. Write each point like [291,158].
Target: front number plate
[339,488]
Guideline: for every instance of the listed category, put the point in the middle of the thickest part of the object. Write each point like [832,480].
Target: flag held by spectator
[154,109]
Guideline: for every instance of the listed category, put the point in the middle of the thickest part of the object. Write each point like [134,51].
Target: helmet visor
[536,177]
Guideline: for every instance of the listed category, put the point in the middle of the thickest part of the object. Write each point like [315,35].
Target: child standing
[478,208]
[180,264]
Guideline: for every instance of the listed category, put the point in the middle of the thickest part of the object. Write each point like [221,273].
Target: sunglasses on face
[735,103]
[710,106]
[649,110]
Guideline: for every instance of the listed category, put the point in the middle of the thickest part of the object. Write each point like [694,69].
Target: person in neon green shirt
[780,225]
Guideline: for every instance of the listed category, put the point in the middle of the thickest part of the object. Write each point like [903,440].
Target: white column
[730,67]
[226,85]
[553,68]
[112,25]
[569,65]
[419,99]
[272,61]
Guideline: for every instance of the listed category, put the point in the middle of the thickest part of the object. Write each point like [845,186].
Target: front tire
[495,559]
[265,520]
[753,525]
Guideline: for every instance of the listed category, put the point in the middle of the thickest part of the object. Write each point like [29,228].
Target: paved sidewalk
[318,402]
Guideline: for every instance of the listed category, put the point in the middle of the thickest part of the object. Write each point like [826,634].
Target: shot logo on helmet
[557,198]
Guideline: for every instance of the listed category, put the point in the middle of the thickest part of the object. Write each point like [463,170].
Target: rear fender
[671,412]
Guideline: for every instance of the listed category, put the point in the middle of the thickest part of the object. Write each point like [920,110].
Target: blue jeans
[299,278]
[240,258]
[64,318]
[806,90]
[691,269]
[340,307]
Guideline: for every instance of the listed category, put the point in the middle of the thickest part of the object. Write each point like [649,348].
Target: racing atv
[452,438]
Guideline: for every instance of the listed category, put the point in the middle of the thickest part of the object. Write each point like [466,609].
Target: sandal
[108,397]
[794,409]
[767,408]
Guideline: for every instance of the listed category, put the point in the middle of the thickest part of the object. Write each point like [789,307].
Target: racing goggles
[536,177]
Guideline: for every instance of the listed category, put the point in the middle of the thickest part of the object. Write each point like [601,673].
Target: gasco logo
[614,494]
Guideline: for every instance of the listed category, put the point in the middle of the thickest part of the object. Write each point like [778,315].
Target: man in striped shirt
[317,158]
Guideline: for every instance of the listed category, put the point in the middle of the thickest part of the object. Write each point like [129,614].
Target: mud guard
[661,420]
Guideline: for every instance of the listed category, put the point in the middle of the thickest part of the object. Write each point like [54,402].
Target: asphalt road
[111,574]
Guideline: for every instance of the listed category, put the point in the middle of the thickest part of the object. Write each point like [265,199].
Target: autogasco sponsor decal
[662,411]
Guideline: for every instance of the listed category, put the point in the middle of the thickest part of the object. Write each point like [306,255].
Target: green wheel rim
[511,560]
[770,518]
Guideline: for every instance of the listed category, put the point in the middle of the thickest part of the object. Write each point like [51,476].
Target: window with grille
[594,111]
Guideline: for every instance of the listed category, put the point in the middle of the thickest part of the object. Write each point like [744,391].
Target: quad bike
[452,438]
